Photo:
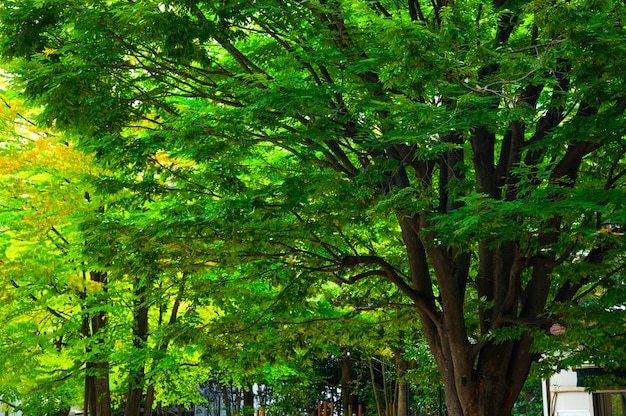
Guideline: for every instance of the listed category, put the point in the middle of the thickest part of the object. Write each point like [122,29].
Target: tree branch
[392,275]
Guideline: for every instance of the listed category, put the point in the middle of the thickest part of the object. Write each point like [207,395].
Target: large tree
[65,328]
[469,154]
[43,315]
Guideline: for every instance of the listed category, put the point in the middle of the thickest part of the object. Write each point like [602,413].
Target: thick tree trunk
[480,380]
[97,392]
[133,402]
[495,388]
[484,378]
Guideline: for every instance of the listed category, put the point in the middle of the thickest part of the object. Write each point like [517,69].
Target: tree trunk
[383,372]
[97,393]
[379,411]
[248,401]
[147,410]
[487,384]
[149,403]
[402,397]
[133,401]
[140,337]
[227,402]
[346,384]
[97,388]
[485,378]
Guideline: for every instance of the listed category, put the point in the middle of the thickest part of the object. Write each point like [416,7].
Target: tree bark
[248,401]
[379,407]
[402,397]
[97,388]
[346,384]
[140,337]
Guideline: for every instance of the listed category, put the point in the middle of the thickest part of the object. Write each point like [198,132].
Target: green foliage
[530,402]
[264,167]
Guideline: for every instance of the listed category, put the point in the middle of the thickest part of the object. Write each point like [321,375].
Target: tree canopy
[463,160]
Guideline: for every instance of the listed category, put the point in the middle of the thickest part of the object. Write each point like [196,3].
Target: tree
[469,153]
[41,321]
[69,332]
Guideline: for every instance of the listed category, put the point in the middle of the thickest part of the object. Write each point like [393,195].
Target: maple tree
[465,159]
[68,331]
[40,205]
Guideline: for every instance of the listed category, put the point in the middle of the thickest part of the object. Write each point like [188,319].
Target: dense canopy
[460,161]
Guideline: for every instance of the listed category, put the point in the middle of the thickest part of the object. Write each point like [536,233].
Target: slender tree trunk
[147,409]
[402,386]
[227,401]
[97,388]
[149,402]
[346,384]
[383,371]
[136,376]
[248,401]
[379,411]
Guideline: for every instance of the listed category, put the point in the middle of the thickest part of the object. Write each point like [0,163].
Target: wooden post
[332,408]
[319,408]
[325,408]
[360,410]
[263,411]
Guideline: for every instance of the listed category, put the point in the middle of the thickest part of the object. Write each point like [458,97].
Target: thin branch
[541,45]
[353,279]
[276,36]
[599,282]
[53,228]
[611,177]
[345,238]
[415,11]
[34,298]
[392,275]
[264,313]
[26,119]
[185,179]
[318,240]
[14,406]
